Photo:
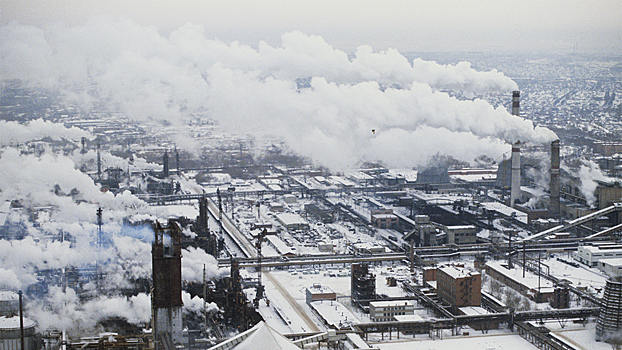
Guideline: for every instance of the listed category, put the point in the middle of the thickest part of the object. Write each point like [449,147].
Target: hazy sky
[407,25]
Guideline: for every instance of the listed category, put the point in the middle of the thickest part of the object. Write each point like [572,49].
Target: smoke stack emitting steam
[554,207]
[515,184]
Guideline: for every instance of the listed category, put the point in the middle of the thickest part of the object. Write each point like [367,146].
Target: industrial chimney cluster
[554,203]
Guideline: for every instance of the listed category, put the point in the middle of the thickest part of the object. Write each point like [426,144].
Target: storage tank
[9,303]
[10,334]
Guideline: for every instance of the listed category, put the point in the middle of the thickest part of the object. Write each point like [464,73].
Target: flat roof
[456,272]
[392,303]
[617,262]
[319,289]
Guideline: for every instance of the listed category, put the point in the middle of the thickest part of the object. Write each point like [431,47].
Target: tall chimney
[516,103]
[165,164]
[554,207]
[515,184]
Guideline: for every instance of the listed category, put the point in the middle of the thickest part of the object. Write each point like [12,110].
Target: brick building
[459,287]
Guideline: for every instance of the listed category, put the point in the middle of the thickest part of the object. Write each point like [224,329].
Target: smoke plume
[327,105]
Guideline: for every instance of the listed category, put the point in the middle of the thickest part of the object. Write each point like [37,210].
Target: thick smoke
[56,212]
[64,310]
[337,109]
[589,173]
[16,133]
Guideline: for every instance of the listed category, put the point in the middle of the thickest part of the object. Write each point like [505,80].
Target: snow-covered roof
[291,219]
[261,336]
[391,303]
[9,323]
[6,295]
[615,262]
[456,272]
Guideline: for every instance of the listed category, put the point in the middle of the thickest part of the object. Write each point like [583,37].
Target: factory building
[384,218]
[292,222]
[611,267]
[608,148]
[434,175]
[465,234]
[530,285]
[362,285]
[319,292]
[459,287]
[384,311]
[590,255]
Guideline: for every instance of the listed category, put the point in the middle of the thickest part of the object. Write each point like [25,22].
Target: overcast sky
[406,25]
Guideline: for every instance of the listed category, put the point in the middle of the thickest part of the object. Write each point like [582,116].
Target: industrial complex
[140,243]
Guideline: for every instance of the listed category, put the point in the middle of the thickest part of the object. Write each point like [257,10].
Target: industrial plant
[158,234]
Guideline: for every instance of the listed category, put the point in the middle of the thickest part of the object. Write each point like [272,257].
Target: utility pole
[510,251]
[524,262]
[219,210]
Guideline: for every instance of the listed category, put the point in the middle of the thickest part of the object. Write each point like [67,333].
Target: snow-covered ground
[473,341]
[578,335]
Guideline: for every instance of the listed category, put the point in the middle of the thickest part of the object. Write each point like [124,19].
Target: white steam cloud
[14,133]
[589,173]
[350,109]
[64,310]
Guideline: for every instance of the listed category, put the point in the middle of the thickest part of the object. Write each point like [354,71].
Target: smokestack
[554,205]
[177,161]
[515,184]
[165,165]
[516,103]
[99,162]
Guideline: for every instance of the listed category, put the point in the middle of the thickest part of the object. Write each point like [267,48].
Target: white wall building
[384,311]
[590,255]
[611,267]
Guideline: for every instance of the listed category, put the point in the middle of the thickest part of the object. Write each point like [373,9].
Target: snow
[488,342]
[505,210]
[334,313]
[530,280]
[579,276]
[578,335]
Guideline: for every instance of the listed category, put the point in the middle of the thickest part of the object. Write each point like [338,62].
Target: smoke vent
[554,206]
